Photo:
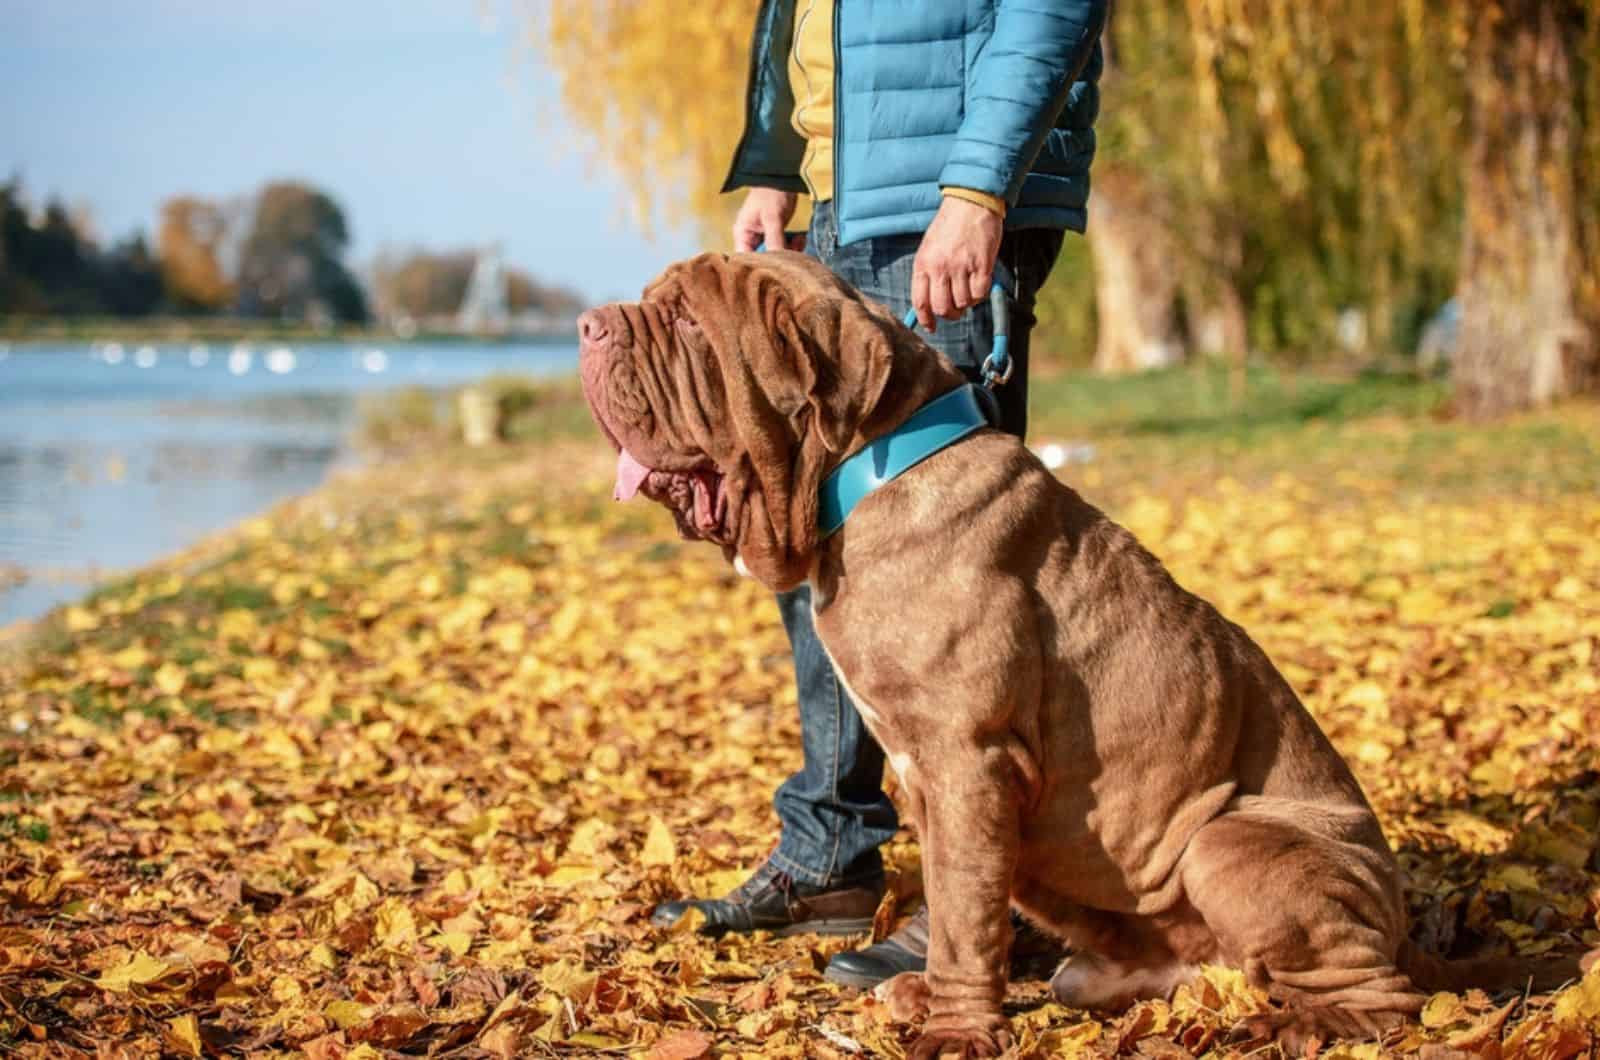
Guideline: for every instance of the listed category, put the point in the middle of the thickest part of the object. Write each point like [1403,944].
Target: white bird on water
[280,361]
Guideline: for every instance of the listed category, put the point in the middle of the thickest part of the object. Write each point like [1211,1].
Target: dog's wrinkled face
[734,385]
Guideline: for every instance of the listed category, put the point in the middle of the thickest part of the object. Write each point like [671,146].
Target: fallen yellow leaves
[403,768]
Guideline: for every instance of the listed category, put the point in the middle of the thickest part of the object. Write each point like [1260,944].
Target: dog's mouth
[697,497]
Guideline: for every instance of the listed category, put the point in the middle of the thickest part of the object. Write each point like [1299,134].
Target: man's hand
[955,261]
[762,217]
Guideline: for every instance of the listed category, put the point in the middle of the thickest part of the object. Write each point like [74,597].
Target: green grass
[1182,427]
[1198,402]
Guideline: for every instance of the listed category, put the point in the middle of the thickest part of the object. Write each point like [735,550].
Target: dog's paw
[906,995]
[964,1038]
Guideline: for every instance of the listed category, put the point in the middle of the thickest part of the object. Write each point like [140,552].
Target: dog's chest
[878,724]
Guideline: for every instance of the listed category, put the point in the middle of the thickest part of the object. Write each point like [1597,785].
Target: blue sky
[431,121]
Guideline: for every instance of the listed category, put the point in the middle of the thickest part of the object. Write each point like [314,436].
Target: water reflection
[109,460]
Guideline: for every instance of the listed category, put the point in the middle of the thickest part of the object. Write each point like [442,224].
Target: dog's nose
[591,327]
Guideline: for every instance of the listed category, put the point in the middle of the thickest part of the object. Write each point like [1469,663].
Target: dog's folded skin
[1075,733]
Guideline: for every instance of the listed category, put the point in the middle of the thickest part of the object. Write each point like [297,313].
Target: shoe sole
[825,927]
[806,927]
[851,979]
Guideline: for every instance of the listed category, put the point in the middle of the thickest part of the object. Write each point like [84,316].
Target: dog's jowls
[1076,733]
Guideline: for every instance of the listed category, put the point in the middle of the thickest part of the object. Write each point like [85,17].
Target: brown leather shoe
[771,900]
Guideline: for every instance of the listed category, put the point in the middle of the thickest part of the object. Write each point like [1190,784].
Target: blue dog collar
[937,425]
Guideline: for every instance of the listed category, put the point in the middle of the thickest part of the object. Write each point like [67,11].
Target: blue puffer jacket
[995,95]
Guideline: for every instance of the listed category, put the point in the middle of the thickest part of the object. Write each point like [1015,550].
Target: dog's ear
[850,350]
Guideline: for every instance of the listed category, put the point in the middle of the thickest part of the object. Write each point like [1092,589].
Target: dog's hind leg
[1312,914]
[1117,959]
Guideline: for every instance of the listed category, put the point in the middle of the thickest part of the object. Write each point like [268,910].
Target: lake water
[114,455]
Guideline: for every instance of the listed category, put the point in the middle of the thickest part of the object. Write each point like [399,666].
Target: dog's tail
[1431,973]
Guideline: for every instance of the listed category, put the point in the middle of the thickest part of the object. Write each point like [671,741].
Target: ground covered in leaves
[400,768]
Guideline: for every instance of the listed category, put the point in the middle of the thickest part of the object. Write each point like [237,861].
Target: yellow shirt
[811,78]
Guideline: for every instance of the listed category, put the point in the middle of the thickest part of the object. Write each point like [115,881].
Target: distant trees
[278,254]
[291,263]
[49,265]
[190,242]
[289,266]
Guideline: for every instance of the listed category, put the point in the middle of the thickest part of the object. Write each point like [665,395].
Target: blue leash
[997,366]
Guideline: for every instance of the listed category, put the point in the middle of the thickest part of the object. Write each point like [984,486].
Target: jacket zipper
[838,120]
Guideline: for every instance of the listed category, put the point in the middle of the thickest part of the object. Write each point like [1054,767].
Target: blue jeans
[834,813]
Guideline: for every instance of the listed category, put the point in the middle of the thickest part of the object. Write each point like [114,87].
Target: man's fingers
[940,298]
[744,238]
[978,286]
[919,297]
[772,224]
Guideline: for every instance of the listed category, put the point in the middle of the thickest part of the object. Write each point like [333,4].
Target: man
[944,145]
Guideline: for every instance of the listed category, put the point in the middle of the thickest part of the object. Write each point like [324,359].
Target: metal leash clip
[997,367]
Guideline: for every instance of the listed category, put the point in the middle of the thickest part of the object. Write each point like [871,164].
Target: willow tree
[1519,171]
[660,86]
[1530,266]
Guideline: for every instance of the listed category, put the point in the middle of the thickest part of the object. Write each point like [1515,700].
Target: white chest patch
[738,565]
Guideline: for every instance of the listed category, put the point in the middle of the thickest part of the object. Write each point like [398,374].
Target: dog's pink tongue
[630,476]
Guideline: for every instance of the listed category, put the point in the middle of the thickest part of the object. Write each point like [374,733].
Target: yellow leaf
[1580,1005]
[689,923]
[658,846]
[567,875]
[81,620]
[1442,1010]
[457,942]
[237,623]
[140,970]
[1513,878]
[259,669]
[397,928]
[509,637]
[345,1014]
[184,1033]
[323,956]
[170,679]
[1079,1040]
[131,658]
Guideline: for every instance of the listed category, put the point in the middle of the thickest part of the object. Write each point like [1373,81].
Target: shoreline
[151,333]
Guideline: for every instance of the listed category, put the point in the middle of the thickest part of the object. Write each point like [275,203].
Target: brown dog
[1076,733]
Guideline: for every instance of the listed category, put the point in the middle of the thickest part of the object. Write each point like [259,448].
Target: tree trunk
[1136,274]
[1524,339]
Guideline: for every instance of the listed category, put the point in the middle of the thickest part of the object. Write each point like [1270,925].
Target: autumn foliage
[400,768]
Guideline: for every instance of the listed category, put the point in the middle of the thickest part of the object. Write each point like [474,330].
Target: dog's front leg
[970,838]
